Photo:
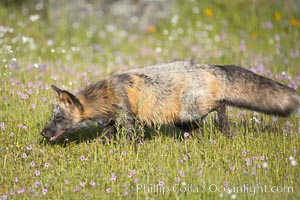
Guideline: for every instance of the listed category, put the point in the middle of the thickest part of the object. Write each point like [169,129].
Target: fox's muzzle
[52,135]
[47,133]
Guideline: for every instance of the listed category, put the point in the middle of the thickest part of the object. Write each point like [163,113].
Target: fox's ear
[67,99]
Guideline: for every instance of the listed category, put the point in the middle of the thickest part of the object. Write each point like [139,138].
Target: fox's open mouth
[57,135]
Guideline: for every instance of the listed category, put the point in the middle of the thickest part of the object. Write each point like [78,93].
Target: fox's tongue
[57,135]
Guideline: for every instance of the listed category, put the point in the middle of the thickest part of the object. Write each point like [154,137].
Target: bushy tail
[251,91]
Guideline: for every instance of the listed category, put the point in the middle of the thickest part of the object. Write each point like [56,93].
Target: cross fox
[178,93]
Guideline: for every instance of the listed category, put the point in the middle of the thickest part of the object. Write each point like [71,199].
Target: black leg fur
[223,120]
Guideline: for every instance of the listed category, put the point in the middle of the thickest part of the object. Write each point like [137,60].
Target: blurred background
[112,35]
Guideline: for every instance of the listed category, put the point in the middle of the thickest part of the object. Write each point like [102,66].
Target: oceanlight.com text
[251,189]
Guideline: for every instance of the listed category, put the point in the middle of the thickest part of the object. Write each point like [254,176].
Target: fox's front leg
[110,130]
[128,125]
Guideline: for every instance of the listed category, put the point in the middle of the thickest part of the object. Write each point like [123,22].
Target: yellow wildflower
[208,12]
[151,29]
[293,22]
[277,16]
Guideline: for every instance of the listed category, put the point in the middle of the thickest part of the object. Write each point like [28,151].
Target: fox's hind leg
[223,120]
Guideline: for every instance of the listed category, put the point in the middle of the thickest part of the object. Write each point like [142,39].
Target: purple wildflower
[258,166]
[248,161]
[181,173]
[82,184]
[129,175]
[21,191]
[82,158]
[244,153]
[47,164]
[186,135]
[268,25]
[32,164]
[108,190]
[37,184]
[44,191]
[92,183]
[37,172]
[113,177]
[160,183]
[225,184]
[275,119]
[76,189]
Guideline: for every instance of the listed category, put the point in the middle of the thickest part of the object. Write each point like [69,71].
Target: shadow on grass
[95,133]
[210,131]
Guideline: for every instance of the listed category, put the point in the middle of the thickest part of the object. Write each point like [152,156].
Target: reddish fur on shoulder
[144,104]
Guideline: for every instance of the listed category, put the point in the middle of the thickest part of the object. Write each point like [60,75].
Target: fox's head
[66,115]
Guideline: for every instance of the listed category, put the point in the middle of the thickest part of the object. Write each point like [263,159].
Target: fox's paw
[109,132]
[230,134]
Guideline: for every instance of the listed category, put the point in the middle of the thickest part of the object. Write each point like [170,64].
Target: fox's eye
[59,118]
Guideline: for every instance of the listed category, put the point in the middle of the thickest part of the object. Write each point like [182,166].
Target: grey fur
[178,92]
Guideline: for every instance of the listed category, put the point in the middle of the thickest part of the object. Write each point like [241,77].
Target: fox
[178,93]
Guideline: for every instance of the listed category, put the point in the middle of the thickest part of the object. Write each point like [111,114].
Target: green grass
[86,168]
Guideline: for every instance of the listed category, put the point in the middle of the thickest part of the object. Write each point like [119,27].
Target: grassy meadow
[42,44]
